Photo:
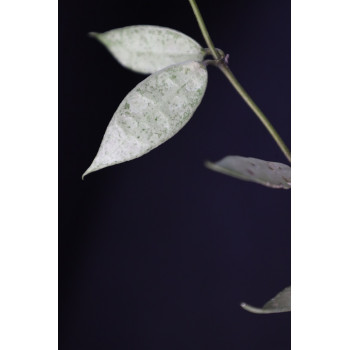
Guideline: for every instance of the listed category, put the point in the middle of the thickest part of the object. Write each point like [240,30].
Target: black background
[158,252]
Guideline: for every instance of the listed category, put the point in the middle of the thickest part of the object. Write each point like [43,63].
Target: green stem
[248,100]
[203,29]
[232,79]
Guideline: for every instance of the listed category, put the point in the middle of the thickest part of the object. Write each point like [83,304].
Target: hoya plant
[161,105]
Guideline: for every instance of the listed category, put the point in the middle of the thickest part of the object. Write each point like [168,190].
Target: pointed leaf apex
[93,34]
[83,176]
[92,168]
[252,309]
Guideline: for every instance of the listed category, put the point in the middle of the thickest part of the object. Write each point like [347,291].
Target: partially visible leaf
[147,49]
[154,111]
[280,303]
[270,174]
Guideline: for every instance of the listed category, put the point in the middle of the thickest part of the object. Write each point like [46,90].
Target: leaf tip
[208,164]
[243,305]
[250,308]
[95,166]
[83,176]
[93,35]
[88,171]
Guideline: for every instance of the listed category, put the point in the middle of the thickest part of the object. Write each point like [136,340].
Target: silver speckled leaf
[154,111]
[280,303]
[270,174]
[147,49]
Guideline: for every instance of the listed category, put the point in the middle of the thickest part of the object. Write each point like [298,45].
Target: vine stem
[248,100]
[204,29]
[235,83]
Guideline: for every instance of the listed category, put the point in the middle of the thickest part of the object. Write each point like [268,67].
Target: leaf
[280,303]
[270,174]
[154,111]
[147,49]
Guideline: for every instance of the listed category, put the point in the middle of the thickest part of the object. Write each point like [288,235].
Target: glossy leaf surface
[154,111]
[270,174]
[147,49]
[280,303]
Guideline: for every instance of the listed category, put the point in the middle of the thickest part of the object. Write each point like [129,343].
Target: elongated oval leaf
[154,111]
[280,303]
[270,174]
[147,49]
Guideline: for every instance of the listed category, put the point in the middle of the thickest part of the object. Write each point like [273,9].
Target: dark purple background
[158,253]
